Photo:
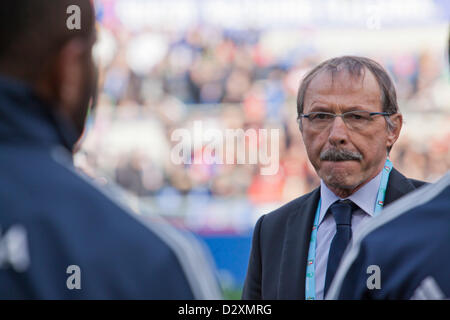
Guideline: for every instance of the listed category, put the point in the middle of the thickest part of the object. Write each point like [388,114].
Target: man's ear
[394,133]
[69,75]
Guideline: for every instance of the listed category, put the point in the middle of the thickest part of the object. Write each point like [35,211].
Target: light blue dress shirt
[365,198]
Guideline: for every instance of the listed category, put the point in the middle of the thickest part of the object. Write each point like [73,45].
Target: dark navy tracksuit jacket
[58,230]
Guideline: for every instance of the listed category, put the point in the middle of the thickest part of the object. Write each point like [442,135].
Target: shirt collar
[365,197]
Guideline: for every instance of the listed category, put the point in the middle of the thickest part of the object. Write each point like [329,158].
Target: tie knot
[342,212]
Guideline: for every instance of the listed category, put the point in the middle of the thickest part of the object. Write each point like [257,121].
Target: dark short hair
[356,67]
[31,31]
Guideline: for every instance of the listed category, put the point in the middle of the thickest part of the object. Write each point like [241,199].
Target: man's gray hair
[356,67]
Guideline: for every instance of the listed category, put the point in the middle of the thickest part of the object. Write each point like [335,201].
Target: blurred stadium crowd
[155,82]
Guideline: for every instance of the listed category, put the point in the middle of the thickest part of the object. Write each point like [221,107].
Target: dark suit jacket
[277,266]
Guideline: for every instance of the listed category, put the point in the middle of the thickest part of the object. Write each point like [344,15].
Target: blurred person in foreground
[62,237]
[349,121]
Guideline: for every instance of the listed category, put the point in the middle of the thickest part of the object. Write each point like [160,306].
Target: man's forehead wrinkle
[324,103]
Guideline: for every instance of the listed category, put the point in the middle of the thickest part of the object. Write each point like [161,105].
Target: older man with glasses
[349,119]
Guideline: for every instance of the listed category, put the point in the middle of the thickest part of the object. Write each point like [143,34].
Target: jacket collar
[25,118]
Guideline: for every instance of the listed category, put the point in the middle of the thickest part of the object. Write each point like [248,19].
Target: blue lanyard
[310,283]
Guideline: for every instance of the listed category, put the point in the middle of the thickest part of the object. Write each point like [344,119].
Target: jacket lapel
[292,275]
[398,185]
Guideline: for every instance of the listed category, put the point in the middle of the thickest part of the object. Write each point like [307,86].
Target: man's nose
[338,132]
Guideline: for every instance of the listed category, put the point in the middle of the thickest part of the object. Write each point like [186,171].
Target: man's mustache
[340,155]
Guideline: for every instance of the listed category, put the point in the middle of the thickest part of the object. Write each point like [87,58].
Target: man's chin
[340,174]
[348,167]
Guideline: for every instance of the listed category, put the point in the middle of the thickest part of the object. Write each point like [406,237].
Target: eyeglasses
[355,120]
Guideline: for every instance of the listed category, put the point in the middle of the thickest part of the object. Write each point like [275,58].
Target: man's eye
[321,116]
[356,116]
